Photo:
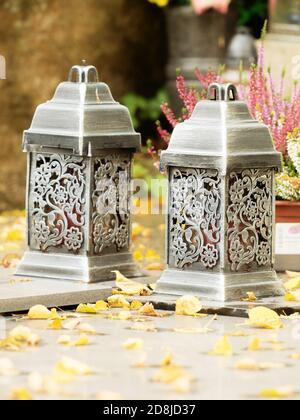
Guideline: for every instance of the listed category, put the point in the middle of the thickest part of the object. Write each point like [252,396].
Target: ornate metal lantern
[80,148]
[221,165]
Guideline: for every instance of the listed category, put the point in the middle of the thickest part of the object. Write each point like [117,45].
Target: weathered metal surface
[221,227]
[80,148]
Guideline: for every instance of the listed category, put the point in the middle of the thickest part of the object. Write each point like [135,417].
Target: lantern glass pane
[250,221]
[195,218]
[57,198]
[110,203]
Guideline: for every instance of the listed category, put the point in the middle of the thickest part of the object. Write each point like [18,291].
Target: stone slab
[215,378]
[17,295]
[232,309]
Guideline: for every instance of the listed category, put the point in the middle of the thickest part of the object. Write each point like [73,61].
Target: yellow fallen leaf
[40,312]
[278,347]
[277,393]
[83,340]
[167,359]
[64,340]
[133,344]
[20,333]
[147,233]
[86,329]
[136,305]
[250,297]
[137,229]
[130,287]
[118,301]
[255,344]
[188,305]
[72,367]
[24,335]
[238,334]
[171,374]
[148,310]
[71,325]
[10,261]
[7,368]
[264,318]
[20,394]
[33,340]
[144,327]
[101,305]
[292,284]
[295,356]
[56,324]
[273,339]
[293,296]
[138,256]
[86,309]
[155,267]
[15,235]
[124,315]
[151,254]
[10,344]
[249,364]
[222,348]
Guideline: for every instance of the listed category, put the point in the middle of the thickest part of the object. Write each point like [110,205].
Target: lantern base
[77,267]
[220,287]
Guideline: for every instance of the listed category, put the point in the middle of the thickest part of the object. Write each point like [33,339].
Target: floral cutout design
[195,219]
[111,215]
[250,218]
[57,202]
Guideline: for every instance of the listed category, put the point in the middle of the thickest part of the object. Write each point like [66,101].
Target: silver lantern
[80,148]
[221,165]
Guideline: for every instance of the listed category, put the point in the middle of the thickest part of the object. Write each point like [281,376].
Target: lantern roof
[82,117]
[221,134]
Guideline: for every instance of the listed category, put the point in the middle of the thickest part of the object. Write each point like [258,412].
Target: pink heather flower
[201,6]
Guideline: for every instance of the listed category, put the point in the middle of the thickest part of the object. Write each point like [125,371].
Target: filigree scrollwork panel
[250,219]
[111,214]
[57,202]
[195,217]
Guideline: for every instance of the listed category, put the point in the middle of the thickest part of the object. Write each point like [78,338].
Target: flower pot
[287,236]
[195,42]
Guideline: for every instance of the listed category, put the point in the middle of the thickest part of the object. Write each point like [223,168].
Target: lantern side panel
[250,220]
[57,198]
[111,203]
[195,219]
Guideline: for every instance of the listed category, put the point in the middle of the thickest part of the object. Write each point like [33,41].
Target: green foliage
[144,109]
[250,10]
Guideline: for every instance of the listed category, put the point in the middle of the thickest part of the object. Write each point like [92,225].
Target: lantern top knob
[222,92]
[83,74]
